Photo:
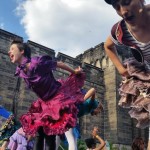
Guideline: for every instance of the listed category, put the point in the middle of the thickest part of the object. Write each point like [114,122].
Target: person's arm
[102,143]
[148,147]
[96,136]
[4,145]
[67,68]
[90,93]
[112,54]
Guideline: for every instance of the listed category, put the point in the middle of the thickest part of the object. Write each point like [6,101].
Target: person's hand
[2,148]
[78,70]
[94,132]
[4,145]
[29,138]
[97,110]
[124,72]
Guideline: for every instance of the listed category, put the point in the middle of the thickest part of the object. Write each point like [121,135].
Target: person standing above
[133,31]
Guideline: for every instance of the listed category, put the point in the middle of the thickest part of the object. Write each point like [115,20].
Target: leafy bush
[80,144]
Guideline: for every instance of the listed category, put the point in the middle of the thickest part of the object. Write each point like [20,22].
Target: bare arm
[67,68]
[101,141]
[90,93]
[112,54]
[4,146]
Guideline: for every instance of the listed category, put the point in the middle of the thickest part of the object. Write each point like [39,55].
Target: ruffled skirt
[135,92]
[57,114]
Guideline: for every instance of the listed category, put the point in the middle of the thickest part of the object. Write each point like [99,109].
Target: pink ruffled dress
[134,91]
[55,110]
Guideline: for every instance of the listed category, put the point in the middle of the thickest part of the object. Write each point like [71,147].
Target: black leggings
[49,141]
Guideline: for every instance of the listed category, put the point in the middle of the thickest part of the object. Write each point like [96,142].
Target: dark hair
[22,46]
[138,144]
[90,143]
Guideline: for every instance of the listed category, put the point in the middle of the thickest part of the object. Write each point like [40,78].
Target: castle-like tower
[114,122]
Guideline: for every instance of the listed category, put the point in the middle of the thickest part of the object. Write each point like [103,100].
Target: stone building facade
[114,122]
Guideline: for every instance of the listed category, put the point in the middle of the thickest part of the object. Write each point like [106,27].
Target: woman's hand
[78,70]
[29,138]
[124,72]
[95,132]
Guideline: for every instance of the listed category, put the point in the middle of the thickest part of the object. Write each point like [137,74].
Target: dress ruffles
[135,92]
[57,114]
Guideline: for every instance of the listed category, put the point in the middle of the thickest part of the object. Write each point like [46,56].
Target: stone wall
[7,80]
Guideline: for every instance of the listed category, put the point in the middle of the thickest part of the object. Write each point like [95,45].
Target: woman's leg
[90,93]
[57,141]
[50,142]
[71,140]
[39,140]
[40,143]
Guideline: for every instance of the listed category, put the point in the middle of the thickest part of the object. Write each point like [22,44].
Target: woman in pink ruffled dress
[55,111]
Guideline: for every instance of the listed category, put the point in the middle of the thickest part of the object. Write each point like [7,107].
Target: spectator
[91,142]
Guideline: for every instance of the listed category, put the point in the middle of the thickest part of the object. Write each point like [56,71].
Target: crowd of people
[61,102]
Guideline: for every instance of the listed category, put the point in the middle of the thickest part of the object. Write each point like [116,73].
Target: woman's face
[129,10]
[15,54]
